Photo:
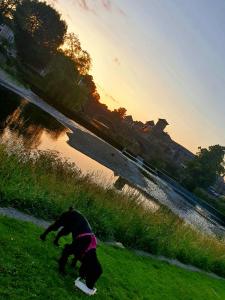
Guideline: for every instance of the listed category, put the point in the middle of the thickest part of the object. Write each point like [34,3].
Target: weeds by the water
[43,184]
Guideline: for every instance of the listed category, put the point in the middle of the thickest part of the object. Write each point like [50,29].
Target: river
[39,126]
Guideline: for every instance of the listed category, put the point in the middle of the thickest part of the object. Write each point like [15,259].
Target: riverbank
[22,253]
[44,185]
[99,150]
[87,143]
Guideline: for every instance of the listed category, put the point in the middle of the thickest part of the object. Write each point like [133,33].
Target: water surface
[36,128]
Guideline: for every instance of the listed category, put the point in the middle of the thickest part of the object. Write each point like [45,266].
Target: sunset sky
[159,59]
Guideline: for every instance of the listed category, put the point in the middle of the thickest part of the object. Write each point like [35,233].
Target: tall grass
[45,185]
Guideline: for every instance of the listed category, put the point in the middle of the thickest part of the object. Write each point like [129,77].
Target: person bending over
[70,221]
[83,247]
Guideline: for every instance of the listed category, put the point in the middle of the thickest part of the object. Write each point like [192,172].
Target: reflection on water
[35,129]
[99,173]
[25,120]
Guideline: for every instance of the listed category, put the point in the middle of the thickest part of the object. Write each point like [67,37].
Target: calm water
[36,129]
[33,128]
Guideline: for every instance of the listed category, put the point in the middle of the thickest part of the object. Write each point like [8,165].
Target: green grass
[28,270]
[45,186]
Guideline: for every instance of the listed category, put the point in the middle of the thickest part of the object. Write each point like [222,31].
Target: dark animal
[83,246]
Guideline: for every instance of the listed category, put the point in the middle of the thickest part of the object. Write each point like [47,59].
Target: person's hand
[43,237]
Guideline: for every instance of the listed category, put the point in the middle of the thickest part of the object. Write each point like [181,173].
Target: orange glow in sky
[155,59]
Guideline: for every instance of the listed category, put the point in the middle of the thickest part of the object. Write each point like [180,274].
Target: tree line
[45,46]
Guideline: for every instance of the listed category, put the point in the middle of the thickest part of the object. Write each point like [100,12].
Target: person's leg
[93,270]
[64,231]
[93,277]
[67,251]
[80,245]
[77,248]
[83,270]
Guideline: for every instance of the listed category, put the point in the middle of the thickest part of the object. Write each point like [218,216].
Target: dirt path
[18,215]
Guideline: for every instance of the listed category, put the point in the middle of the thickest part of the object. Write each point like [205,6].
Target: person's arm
[64,231]
[55,226]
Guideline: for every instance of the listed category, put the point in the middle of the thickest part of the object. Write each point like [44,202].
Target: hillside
[29,271]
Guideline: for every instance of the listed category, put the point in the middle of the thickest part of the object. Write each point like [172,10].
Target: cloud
[93,5]
[121,11]
[84,5]
[116,61]
[107,4]
[105,94]
[112,98]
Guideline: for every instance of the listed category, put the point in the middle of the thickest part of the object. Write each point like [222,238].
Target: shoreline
[99,150]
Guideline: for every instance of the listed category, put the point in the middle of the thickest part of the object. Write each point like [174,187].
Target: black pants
[90,269]
[77,248]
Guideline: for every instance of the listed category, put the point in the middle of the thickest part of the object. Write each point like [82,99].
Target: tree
[72,49]
[205,168]
[7,8]
[91,89]
[120,112]
[60,82]
[39,31]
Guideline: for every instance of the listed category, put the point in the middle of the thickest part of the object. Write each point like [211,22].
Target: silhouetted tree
[39,31]
[61,83]
[205,168]
[91,89]
[120,112]
[72,48]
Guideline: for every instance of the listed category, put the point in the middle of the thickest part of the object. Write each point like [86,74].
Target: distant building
[6,34]
[148,126]
[138,125]
[160,125]
[159,141]
[129,120]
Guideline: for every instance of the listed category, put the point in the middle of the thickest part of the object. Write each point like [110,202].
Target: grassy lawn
[28,270]
[45,185]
